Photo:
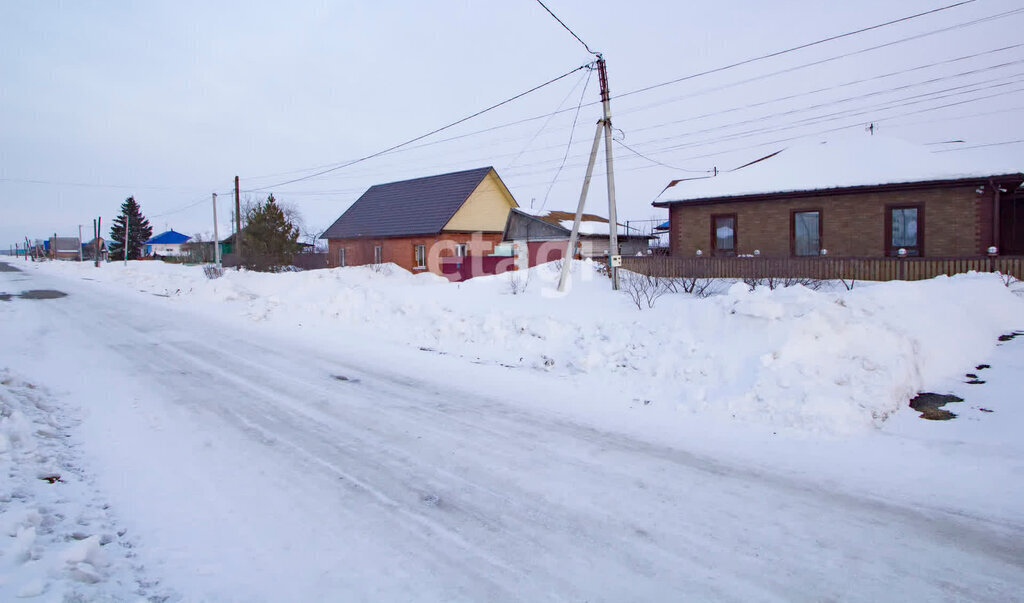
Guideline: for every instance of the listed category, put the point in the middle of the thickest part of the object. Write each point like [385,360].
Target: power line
[421,137]
[578,39]
[551,116]
[96,185]
[655,161]
[795,48]
[406,148]
[849,99]
[980,146]
[572,132]
[809,92]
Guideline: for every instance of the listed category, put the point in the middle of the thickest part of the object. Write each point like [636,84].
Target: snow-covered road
[249,466]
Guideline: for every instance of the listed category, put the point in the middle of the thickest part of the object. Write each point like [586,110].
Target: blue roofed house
[168,243]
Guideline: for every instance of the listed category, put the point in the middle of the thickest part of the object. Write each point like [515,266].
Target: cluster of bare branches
[776,282]
[646,289]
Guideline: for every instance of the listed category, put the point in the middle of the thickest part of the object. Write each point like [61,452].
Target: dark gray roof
[409,207]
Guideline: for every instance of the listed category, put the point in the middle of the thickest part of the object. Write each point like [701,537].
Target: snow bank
[836,362]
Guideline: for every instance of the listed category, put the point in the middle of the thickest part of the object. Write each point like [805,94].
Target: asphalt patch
[34,294]
[930,406]
[42,294]
[8,268]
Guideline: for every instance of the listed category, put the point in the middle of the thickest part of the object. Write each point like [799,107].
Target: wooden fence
[826,268]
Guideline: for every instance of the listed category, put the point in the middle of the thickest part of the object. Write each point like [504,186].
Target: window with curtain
[806,233]
[904,230]
[723,234]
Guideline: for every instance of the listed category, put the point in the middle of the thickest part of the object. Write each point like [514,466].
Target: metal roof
[168,238]
[410,207]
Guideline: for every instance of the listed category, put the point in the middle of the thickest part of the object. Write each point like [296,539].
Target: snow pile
[792,358]
[839,162]
[56,538]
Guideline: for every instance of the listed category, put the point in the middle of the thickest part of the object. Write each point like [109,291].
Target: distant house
[416,223]
[89,250]
[870,198]
[62,248]
[168,243]
[546,235]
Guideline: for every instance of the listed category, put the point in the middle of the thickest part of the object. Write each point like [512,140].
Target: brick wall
[401,250]
[852,225]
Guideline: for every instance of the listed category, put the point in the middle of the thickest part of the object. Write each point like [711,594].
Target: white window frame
[461,250]
[419,256]
[378,253]
[341,257]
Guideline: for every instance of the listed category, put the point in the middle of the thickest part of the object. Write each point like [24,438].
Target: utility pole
[238,226]
[613,236]
[216,237]
[570,252]
[613,230]
[97,226]
[79,242]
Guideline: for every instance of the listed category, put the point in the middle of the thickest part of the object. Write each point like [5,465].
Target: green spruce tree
[269,239]
[139,231]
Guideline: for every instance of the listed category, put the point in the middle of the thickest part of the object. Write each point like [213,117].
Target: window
[905,230]
[723,234]
[460,250]
[806,233]
[341,257]
[377,253]
[421,256]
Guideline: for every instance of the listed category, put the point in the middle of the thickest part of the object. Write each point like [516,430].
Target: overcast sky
[168,101]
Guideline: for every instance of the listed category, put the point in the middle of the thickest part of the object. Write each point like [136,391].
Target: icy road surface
[254,467]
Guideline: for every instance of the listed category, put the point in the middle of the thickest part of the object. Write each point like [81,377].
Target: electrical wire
[981,146]
[551,116]
[810,92]
[578,39]
[422,136]
[655,161]
[572,133]
[810,44]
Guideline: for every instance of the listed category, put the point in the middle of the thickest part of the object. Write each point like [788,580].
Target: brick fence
[864,269]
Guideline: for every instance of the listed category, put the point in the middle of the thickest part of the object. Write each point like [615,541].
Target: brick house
[414,223]
[884,197]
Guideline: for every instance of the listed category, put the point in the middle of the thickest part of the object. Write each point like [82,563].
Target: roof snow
[860,160]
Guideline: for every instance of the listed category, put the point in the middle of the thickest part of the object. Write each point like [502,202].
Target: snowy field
[358,434]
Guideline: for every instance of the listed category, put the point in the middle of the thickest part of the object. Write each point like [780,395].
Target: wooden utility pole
[97,226]
[216,237]
[238,225]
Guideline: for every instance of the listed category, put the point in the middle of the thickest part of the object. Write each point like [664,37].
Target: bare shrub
[776,282]
[700,287]
[848,283]
[211,271]
[643,289]
[516,283]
